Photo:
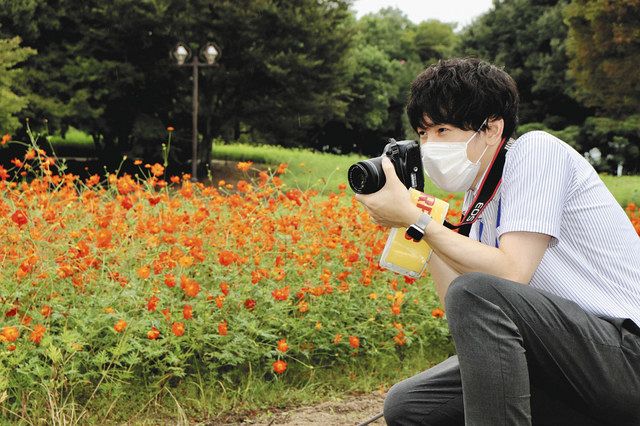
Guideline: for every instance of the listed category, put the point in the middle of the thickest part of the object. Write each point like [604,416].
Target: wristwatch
[415,232]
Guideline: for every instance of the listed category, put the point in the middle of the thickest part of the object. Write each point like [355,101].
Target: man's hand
[391,206]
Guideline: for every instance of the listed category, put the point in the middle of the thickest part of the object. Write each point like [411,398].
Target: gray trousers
[524,356]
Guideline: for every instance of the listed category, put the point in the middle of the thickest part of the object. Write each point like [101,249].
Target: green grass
[626,189]
[307,169]
[243,392]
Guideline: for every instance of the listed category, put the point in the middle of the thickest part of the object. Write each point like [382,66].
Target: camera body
[367,177]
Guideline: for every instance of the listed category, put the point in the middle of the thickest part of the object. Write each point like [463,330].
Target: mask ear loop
[484,123]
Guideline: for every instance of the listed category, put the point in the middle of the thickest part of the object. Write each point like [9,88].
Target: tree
[527,38]
[105,68]
[604,49]
[11,102]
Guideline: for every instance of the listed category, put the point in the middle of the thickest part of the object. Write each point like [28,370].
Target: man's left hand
[391,206]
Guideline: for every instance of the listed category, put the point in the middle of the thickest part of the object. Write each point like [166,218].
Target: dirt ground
[352,410]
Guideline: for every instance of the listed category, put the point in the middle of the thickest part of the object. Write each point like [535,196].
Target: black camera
[367,177]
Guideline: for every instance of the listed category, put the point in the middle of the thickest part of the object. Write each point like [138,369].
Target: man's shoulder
[536,140]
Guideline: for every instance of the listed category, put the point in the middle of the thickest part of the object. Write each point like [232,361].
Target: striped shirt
[593,257]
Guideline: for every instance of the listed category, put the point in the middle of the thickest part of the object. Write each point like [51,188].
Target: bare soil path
[351,410]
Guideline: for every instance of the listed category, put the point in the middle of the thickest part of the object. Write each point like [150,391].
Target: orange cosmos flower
[337,339]
[187,312]
[222,328]
[46,311]
[4,175]
[342,186]
[178,328]
[9,334]
[400,338]
[226,257]
[224,288]
[137,162]
[103,238]
[395,309]
[120,326]
[281,168]
[243,186]
[281,293]
[282,345]
[153,334]
[190,287]
[6,138]
[166,313]
[244,166]
[249,304]
[17,163]
[152,303]
[157,169]
[279,366]
[437,313]
[144,272]
[170,280]
[19,217]
[354,342]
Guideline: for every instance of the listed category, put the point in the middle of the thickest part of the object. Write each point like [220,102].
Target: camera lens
[366,177]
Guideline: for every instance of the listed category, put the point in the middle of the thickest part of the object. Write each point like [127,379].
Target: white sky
[460,11]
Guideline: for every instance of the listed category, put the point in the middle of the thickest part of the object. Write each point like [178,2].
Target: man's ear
[493,131]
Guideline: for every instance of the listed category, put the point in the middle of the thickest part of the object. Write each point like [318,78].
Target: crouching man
[543,296]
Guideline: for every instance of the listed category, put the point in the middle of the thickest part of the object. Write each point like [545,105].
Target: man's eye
[441,130]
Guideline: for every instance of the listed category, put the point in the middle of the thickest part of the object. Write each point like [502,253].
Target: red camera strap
[488,189]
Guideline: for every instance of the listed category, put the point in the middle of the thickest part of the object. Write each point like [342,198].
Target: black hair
[463,92]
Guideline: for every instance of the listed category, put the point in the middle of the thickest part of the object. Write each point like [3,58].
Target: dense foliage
[308,73]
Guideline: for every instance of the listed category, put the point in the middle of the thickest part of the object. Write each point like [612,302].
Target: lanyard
[488,188]
[481,224]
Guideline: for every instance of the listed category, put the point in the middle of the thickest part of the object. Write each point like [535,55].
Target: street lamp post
[181,53]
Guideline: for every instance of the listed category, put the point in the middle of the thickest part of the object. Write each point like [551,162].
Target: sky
[459,11]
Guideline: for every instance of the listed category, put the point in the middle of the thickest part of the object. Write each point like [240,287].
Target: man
[543,296]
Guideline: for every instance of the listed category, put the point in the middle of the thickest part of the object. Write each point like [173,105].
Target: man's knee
[395,404]
[463,288]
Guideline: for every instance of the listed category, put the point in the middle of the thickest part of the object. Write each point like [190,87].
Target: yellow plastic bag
[406,256]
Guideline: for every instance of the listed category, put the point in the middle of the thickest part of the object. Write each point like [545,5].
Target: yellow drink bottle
[406,256]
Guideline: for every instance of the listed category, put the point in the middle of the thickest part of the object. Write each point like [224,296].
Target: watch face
[415,233]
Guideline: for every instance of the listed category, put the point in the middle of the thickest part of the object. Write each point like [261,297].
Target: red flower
[19,217]
[170,280]
[178,328]
[279,366]
[354,342]
[187,312]
[153,334]
[126,203]
[282,345]
[250,304]
[224,288]
[222,328]
[152,303]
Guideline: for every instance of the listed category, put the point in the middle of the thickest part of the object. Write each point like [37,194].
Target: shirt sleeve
[535,185]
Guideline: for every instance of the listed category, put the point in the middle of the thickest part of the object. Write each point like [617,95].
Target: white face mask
[447,164]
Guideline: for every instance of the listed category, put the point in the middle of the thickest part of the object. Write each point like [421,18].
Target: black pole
[194,140]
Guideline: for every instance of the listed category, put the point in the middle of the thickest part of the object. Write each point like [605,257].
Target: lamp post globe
[181,53]
[211,52]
